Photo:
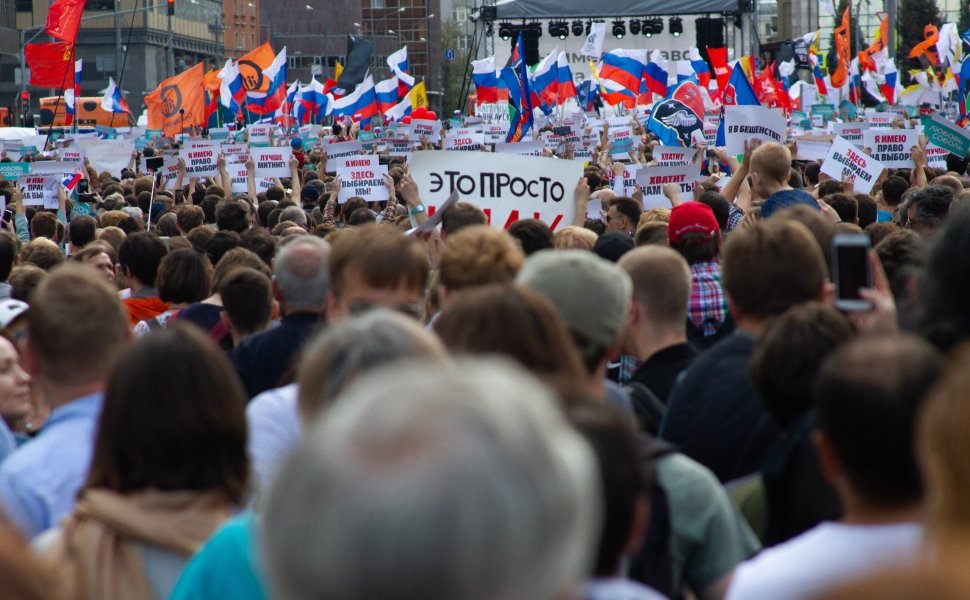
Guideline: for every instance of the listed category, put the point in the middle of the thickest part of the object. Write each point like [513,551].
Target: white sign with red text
[271,162]
[366,182]
[201,160]
[653,179]
[846,160]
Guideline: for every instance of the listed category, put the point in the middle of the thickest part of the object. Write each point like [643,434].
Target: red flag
[64,19]
[722,72]
[51,64]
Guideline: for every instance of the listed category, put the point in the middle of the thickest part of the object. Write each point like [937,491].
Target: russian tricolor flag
[485,80]
[360,104]
[284,114]
[231,92]
[71,94]
[700,67]
[685,72]
[398,63]
[564,79]
[625,67]
[267,103]
[312,101]
[892,80]
[544,81]
[819,77]
[386,91]
[112,101]
[399,110]
[655,74]
[70,182]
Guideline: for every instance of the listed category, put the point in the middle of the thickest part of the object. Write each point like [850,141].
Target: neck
[769,188]
[646,343]
[859,512]
[57,394]
[751,325]
[135,285]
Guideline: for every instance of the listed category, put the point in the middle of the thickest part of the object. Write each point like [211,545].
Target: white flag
[593,47]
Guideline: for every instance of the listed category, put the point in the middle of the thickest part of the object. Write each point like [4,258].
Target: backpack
[647,406]
[695,333]
[653,565]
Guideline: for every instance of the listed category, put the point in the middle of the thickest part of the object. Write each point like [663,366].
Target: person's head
[76,327]
[112,235]
[771,266]
[9,248]
[868,213]
[475,256]
[15,402]
[653,233]
[435,453]
[948,181]
[591,295]
[82,230]
[829,187]
[140,256]
[845,205]
[261,243]
[624,479]
[693,231]
[44,224]
[43,253]
[361,216]
[623,215]
[24,279]
[219,243]
[612,245]
[516,322]
[188,217]
[302,276]
[184,277]
[247,300]
[720,207]
[376,266]
[770,168]
[461,214]
[533,235]
[339,355]
[238,257]
[944,286]
[788,354]
[295,215]
[99,256]
[172,433]
[868,394]
[232,215]
[810,174]
[929,206]
[661,289]
[573,238]
[902,254]
[893,189]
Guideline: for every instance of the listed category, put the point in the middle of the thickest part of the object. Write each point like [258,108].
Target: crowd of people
[277,395]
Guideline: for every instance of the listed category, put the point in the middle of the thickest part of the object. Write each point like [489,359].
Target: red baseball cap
[691,217]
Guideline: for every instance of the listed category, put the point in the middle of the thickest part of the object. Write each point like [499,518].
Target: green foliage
[452,71]
[964,22]
[911,18]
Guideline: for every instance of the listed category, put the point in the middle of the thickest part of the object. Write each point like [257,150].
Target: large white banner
[507,187]
[742,123]
[108,155]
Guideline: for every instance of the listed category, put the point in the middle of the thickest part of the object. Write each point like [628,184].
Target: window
[461,13]
[377,4]
[463,42]
[24,5]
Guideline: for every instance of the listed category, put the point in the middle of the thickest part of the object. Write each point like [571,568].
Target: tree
[453,71]
[964,22]
[912,17]
[858,39]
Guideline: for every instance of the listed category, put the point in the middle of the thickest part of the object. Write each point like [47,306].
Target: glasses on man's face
[410,309]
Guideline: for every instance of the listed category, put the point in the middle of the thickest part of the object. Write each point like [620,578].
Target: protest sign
[272,162]
[853,132]
[37,141]
[464,140]
[399,147]
[625,183]
[343,149]
[359,161]
[218,133]
[944,134]
[108,155]
[936,157]
[495,133]
[881,120]
[532,148]
[366,182]
[40,190]
[72,155]
[169,169]
[653,179]
[424,128]
[506,187]
[892,147]
[238,178]
[743,123]
[259,134]
[672,156]
[620,136]
[13,170]
[813,147]
[201,161]
[846,160]
[235,152]
[432,222]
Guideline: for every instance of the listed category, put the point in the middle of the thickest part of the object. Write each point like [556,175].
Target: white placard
[531,148]
[201,160]
[892,147]
[235,152]
[464,140]
[72,155]
[366,182]
[507,187]
[743,123]
[107,155]
[935,157]
[671,156]
[812,147]
[845,159]
[238,178]
[40,190]
[344,149]
[424,128]
[853,132]
[881,120]
[170,170]
[359,161]
[258,133]
[625,183]
[496,133]
[272,162]
[653,179]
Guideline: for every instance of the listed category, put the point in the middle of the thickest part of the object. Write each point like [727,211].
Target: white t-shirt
[826,556]
[617,588]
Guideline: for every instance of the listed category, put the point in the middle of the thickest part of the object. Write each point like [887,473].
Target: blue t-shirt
[786,198]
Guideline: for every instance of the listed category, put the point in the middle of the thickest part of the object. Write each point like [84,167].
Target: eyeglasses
[360,307]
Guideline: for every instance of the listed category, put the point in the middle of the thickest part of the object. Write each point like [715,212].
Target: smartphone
[850,270]
[154,163]
[83,186]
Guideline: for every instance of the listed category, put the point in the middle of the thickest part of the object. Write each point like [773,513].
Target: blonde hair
[772,161]
[574,238]
[478,255]
[654,215]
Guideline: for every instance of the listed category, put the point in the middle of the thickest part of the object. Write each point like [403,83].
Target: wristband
[417,210]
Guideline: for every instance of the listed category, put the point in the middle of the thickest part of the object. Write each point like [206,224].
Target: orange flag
[842,49]
[866,62]
[183,92]
[927,48]
[252,65]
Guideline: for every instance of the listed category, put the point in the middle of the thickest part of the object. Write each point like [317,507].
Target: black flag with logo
[358,62]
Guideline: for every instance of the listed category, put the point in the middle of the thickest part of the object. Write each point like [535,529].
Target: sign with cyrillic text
[427,129]
[853,131]
[532,148]
[366,182]
[72,155]
[813,147]
[258,134]
[238,178]
[507,187]
[235,152]
[892,147]
[653,179]
[846,160]
[881,120]
[495,133]
[343,149]
[625,183]
[743,123]
[464,140]
[671,156]
[271,162]
[360,161]
[944,134]
[201,161]
[107,155]
[40,190]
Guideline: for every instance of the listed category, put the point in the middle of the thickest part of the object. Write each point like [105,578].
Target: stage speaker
[530,38]
[710,32]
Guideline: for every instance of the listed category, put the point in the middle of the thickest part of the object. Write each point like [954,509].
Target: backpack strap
[653,565]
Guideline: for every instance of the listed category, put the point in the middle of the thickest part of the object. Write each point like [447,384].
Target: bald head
[302,275]
[661,284]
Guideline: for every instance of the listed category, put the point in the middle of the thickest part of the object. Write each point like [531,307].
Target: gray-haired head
[338,355]
[302,274]
[436,481]
[295,214]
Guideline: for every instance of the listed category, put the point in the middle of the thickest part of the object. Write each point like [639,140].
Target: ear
[225,320]
[274,310]
[827,459]
[638,526]
[334,310]
[277,295]
[30,359]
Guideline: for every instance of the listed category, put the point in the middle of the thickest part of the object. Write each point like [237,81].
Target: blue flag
[516,77]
